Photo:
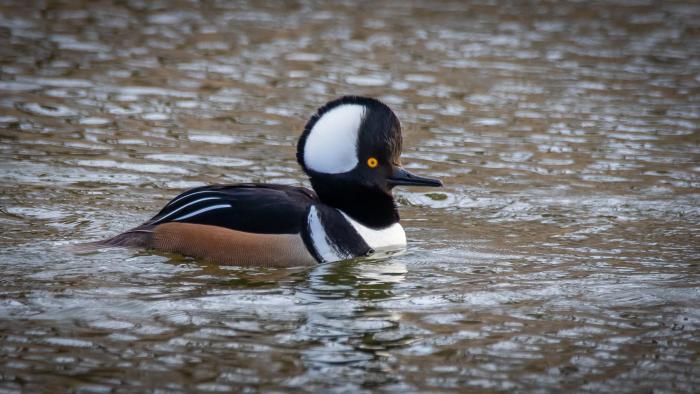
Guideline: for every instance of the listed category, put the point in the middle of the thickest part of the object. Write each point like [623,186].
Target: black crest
[380,130]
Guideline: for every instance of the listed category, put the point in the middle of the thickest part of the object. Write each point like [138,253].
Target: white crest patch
[331,146]
[386,238]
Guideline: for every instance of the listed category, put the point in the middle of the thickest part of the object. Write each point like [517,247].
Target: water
[562,254]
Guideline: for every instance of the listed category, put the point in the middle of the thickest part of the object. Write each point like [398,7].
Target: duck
[350,150]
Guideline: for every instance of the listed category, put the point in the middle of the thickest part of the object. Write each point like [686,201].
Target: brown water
[563,253]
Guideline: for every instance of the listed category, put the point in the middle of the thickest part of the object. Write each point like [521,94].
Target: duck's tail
[136,238]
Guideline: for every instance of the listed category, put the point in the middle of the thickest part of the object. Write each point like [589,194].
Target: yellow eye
[372,162]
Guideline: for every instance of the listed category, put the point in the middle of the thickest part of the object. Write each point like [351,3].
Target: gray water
[561,255]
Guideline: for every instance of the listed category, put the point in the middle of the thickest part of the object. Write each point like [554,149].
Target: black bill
[401,177]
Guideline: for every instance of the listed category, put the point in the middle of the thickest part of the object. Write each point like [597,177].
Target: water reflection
[362,279]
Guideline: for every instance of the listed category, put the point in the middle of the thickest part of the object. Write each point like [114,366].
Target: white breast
[386,238]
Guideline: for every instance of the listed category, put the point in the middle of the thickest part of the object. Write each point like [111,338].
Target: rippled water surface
[563,253]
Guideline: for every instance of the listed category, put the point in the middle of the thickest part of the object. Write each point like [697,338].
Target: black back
[254,208]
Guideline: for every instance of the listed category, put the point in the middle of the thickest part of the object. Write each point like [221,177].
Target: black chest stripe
[339,234]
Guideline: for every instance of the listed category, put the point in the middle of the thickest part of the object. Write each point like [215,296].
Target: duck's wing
[253,208]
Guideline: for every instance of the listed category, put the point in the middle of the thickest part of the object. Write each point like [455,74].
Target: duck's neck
[369,206]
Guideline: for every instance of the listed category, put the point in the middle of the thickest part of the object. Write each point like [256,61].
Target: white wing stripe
[207,209]
[189,195]
[185,206]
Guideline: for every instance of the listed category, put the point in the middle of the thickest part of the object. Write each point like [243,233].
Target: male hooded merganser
[349,149]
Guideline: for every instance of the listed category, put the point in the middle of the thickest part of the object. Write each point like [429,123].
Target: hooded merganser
[349,149]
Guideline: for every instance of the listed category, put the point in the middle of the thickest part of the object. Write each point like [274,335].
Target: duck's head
[355,143]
